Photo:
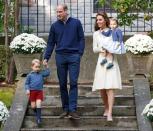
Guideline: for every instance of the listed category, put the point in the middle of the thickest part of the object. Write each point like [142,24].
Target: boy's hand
[45,62]
[46,65]
[27,92]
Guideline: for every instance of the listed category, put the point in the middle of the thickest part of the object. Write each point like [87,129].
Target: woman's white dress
[105,78]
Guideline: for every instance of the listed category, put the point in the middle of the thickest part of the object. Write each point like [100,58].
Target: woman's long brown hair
[104,15]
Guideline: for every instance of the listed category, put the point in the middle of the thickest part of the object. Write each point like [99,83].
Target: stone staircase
[90,108]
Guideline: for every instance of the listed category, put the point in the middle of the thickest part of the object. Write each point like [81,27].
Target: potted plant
[26,47]
[4,113]
[139,56]
[148,111]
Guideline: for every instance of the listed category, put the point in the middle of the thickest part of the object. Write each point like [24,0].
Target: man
[67,34]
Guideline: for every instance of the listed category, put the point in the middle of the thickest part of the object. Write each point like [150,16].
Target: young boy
[34,87]
[117,37]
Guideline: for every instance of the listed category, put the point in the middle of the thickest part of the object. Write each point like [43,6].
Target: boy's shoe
[74,115]
[104,61]
[64,114]
[110,65]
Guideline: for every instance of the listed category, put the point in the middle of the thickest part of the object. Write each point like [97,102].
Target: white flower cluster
[27,44]
[4,114]
[139,44]
[148,111]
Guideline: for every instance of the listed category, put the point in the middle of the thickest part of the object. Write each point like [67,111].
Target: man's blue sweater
[68,37]
[35,80]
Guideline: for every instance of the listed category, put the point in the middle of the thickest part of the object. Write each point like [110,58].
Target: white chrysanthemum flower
[139,44]
[27,43]
[148,110]
[4,113]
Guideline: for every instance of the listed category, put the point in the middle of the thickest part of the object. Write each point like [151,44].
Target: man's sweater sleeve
[81,38]
[50,44]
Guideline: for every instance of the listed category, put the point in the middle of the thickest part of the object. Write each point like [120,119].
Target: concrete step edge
[80,106]
[80,129]
[82,96]
[88,117]
[82,86]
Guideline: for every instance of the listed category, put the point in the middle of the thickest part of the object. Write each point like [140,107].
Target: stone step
[86,90]
[86,101]
[84,122]
[87,111]
[81,129]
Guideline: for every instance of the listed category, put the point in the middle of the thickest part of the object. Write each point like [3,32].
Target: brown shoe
[74,115]
[64,114]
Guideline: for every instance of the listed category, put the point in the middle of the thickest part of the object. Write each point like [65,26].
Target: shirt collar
[68,17]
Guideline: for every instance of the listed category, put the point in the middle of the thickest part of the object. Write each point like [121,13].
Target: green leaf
[101,3]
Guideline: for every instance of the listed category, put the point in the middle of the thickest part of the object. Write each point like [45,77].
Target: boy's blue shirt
[35,80]
[68,38]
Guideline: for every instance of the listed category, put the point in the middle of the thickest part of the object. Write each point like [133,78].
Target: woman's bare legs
[110,94]
[105,100]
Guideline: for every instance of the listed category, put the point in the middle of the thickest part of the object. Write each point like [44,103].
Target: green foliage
[128,10]
[2,62]
[11,16]
[101,2]
[1,15]
[7,95]
[26,29]
[151,94]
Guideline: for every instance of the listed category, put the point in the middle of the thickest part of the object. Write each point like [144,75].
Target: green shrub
[6,95]
[2,62]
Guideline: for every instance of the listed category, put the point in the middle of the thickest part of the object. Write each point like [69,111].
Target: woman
[106,80]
